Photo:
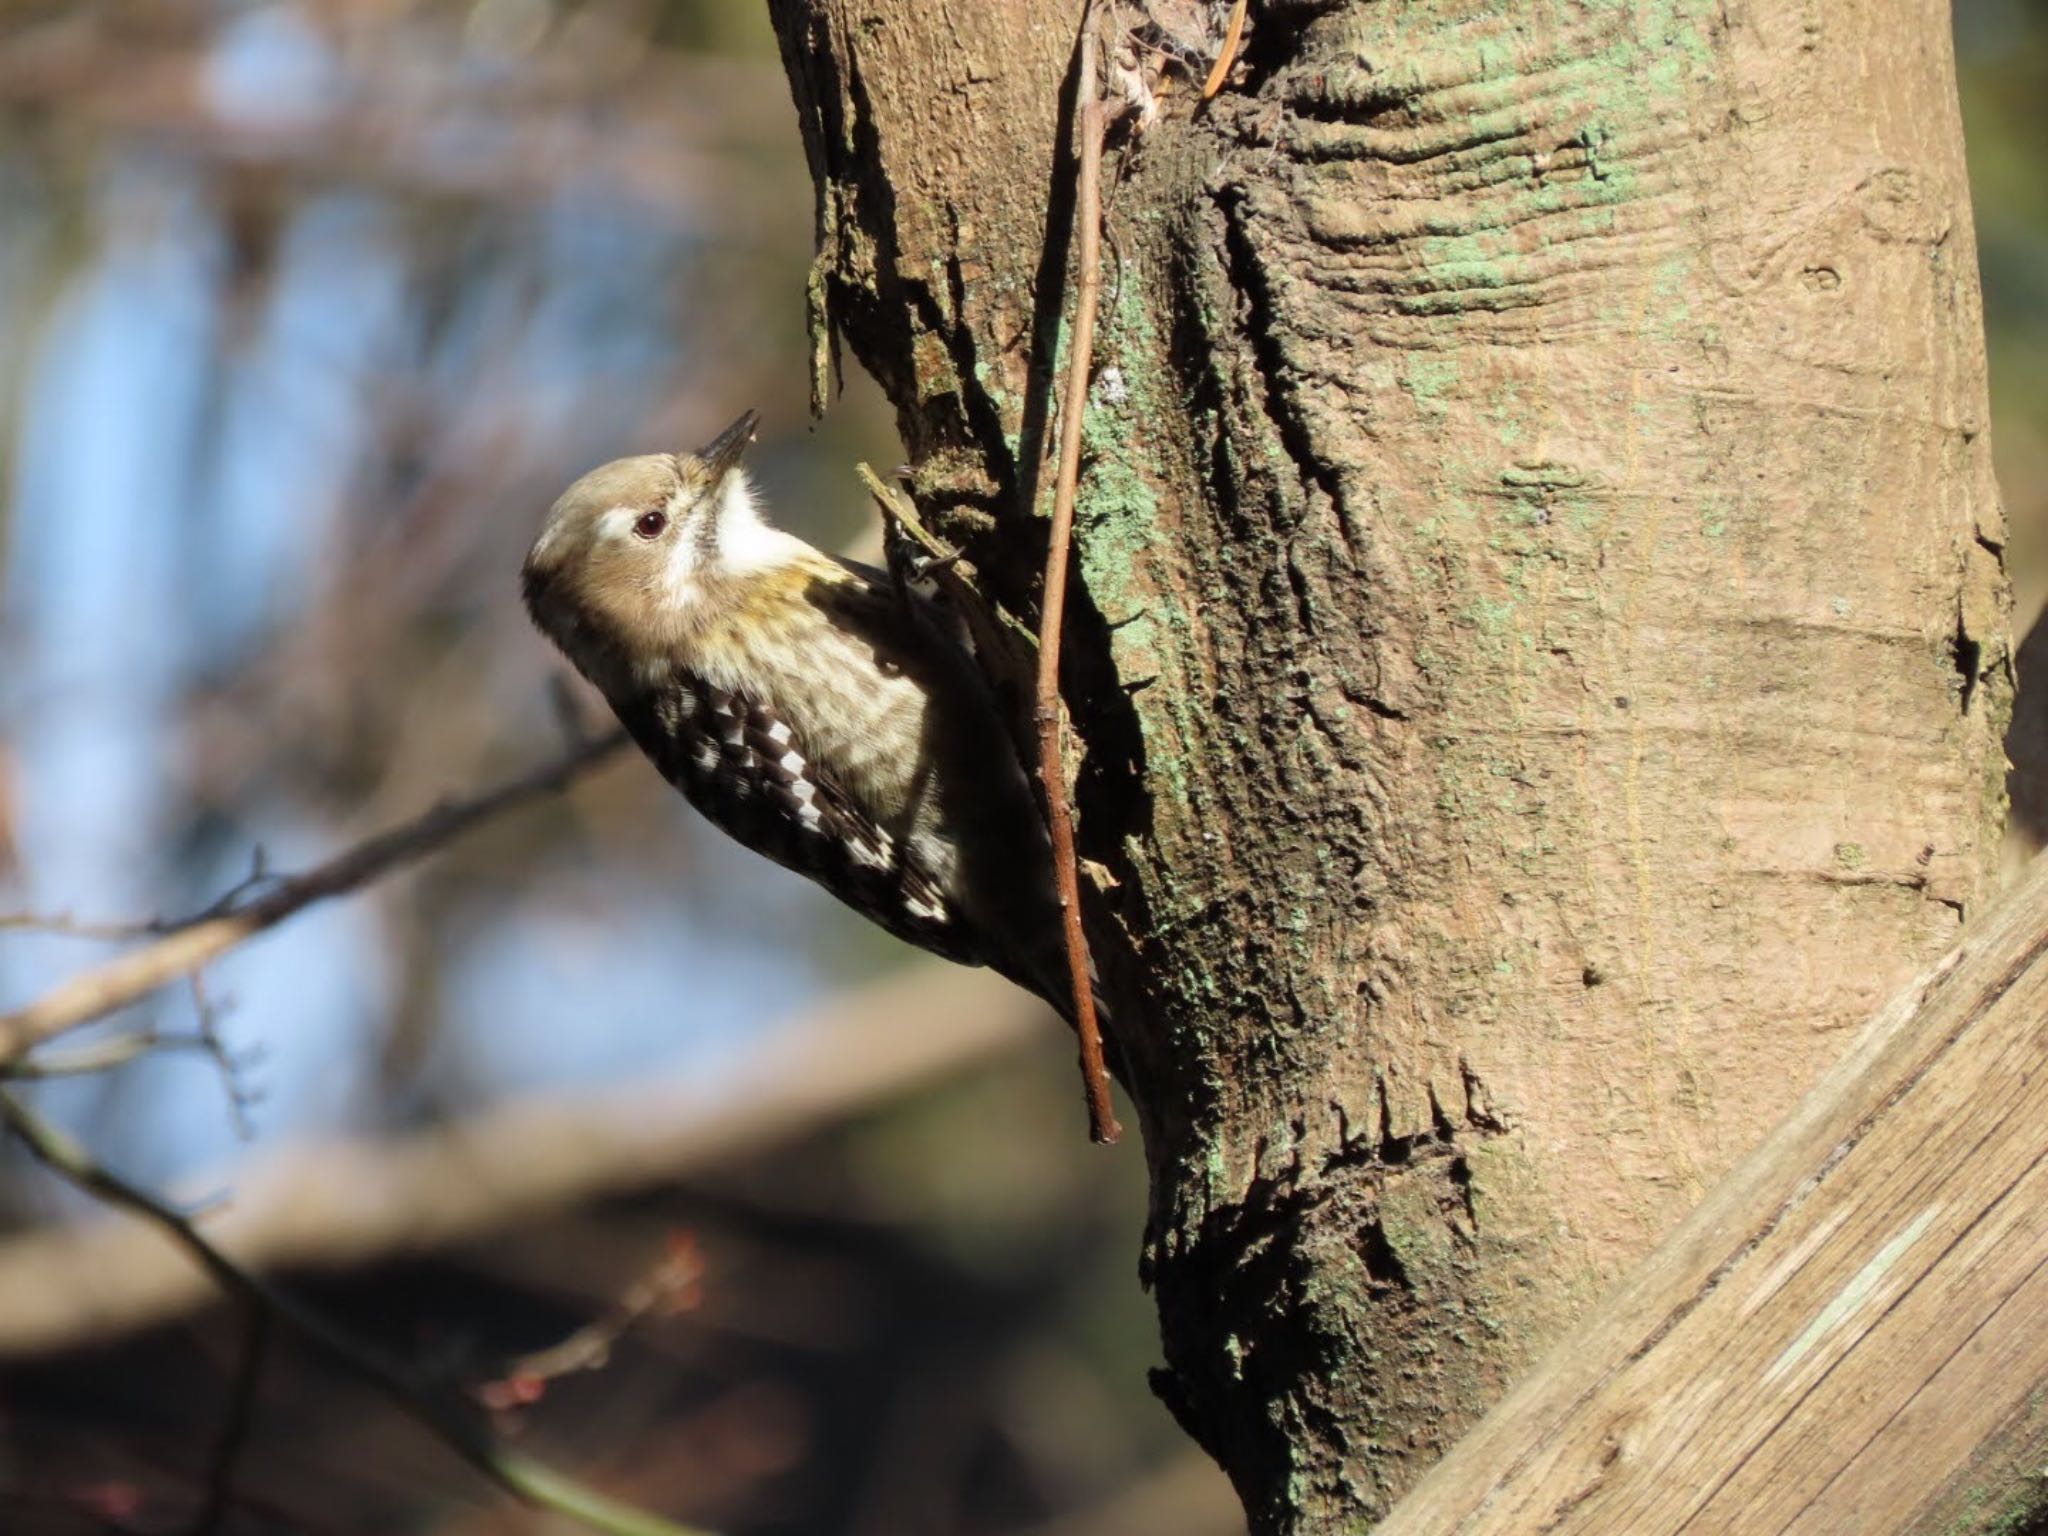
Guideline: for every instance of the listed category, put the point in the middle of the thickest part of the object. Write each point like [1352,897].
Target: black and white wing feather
[746,769]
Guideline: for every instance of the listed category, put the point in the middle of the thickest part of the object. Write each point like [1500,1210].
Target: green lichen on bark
[1485,530]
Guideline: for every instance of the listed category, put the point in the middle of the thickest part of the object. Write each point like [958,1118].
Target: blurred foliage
[314,308]
[2002,55]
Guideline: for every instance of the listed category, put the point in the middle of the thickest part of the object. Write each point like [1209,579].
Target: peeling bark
[1539,645]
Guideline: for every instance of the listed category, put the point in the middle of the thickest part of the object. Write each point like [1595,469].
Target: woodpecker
[818,711]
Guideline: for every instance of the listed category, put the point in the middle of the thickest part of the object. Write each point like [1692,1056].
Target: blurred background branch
[345,1203]
[185,946]
[416,1398]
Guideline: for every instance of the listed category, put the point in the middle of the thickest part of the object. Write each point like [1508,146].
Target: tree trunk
[1539,649]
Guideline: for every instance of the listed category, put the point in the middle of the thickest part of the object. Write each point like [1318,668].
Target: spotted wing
[746,769]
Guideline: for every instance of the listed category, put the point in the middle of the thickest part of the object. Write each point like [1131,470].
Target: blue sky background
[191,462]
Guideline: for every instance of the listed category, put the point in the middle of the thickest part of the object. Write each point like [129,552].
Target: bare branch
[461,1432]
[102,990]
[1102,1124]
[100,1056]
[341,1202]
[231,1065]
[66,926]
[995,629]
[670,1286]
[236,1423]
[1228,55]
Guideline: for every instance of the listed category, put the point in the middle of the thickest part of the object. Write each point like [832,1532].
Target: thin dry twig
[1220,71]
[461,1432]
[101,1055]
[900,509]
[672,1285]
[996,631]
[1091,123]
[66,926]
[350,1201]
[95,993]
[242,1096]
[236,1423]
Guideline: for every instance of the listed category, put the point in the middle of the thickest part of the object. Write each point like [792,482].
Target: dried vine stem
[1091,122]
[1220,70]
[462,1433]
[95,993]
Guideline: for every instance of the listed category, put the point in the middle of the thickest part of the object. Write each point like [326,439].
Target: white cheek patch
[736,541]
[616,526]
[679,567]
[745,543]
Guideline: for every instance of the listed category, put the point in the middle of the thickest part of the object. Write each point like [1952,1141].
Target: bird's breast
[849,697]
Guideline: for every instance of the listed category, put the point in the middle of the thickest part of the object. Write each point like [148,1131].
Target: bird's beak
[722,453]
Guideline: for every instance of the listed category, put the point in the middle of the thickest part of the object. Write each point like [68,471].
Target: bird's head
[635,552]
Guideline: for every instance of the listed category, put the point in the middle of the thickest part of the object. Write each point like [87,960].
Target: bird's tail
[1047,974]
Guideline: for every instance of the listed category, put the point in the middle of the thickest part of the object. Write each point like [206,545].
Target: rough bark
[1539,642]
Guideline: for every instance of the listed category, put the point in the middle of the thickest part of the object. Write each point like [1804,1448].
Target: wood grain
[1853,1317]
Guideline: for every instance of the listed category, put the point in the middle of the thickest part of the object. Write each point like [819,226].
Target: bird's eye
[651,524]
